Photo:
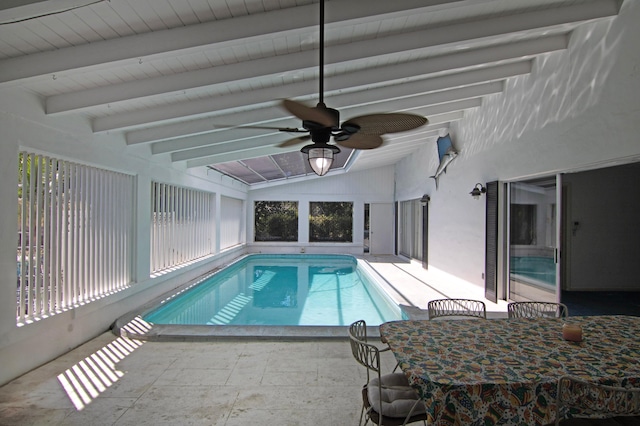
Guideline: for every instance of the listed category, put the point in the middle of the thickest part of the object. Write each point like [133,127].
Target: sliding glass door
[534,229]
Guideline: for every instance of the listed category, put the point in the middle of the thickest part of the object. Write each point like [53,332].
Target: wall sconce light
[320,156]
[425,200]
[478,191]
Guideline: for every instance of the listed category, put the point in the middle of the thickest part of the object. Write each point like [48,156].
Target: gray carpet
[602,302]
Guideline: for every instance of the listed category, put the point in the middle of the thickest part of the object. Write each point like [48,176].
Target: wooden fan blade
[362,141]
[294,141]
[379,124]
[303,112]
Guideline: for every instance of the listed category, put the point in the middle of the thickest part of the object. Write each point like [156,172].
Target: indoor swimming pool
[534,270]
[281,290]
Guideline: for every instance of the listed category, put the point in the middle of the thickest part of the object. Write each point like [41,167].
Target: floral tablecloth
[504,371]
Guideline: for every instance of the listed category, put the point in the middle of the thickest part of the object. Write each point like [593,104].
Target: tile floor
[116,381]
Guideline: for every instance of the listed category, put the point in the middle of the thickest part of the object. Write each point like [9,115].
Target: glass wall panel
[532,240]
[331,222]
[276,220]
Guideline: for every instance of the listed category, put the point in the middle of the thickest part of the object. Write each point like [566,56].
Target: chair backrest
[364,353]
[456,308]
[359,330]
[578,398]
[537,309]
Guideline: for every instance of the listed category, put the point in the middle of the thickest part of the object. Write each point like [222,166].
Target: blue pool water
[534,269]
[282,290]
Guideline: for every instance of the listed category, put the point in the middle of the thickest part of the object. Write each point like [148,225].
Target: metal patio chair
[386,399]
[359,329]
[580,402]
[456,308]
[537,309]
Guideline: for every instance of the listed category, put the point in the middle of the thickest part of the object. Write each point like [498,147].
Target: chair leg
[361,414]
[411,412]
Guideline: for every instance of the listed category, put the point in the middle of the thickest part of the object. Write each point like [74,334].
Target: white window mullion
[88,236]
[53,242]
[32,237]
[118,234]
[153,252]
[82,226]
[110,231]
[62,217]
[71,272]
[102,235]
[37,265]
[23,238]
[93,252]
[164,234]
[172,226]
[46,257]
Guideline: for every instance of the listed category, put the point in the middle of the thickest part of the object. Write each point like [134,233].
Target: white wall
[370,186]
[576,109]
[23,125]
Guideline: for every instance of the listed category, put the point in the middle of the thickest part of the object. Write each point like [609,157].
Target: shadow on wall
[560,86]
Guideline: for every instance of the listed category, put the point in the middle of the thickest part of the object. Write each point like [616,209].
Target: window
[276,220]
[331,222]
[182,225]
[75,227]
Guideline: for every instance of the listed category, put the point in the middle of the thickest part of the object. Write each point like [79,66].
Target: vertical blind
[74,234]
[182,225]
[231,220]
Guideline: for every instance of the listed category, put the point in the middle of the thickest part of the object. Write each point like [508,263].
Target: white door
[381,228]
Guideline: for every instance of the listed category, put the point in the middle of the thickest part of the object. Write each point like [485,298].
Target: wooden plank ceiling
[179,76]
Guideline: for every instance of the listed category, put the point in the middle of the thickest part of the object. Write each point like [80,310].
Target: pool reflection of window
[275,287]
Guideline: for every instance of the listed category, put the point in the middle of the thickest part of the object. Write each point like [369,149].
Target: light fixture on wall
[425,200]
[320,156]
[478,191]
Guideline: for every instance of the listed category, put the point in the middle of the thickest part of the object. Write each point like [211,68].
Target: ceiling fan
[321,123]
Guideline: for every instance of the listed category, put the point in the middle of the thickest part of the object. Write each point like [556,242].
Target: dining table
[505,371]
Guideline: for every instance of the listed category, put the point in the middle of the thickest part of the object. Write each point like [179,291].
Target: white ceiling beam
[300,62]
[474,76]
[231,137]
[269,150]
[201,107]
[224,148]
[194,145]
[19,10]
[226,32]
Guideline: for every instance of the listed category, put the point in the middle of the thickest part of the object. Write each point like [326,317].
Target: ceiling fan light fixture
[320,156]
